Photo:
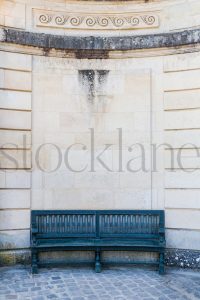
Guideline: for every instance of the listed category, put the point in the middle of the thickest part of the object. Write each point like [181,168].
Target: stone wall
[181,105]
[53,101]
[15,136]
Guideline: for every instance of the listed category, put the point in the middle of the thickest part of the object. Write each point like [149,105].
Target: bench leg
[97,262]
[34,262]
[161,264]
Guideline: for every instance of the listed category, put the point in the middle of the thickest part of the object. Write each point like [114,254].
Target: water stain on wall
[94,84]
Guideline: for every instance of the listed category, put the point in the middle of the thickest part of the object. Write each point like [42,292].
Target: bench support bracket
[34,262]
[97,262]
[161,264]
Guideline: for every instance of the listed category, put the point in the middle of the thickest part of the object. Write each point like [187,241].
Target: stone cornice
[94,43]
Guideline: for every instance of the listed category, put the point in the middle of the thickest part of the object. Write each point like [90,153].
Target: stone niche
[100,119]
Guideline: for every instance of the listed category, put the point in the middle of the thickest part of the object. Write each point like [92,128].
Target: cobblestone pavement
[85,284]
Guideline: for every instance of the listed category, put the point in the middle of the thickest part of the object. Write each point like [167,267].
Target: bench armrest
[34,230]
[162,231]
[162,235]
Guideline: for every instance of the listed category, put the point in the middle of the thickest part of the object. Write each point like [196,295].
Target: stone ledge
[74,43]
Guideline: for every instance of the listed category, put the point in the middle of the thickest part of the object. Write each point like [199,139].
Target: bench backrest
[97,223]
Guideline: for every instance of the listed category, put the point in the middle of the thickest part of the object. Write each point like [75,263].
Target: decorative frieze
[95,21]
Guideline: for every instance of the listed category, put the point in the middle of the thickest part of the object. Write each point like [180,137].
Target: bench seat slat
[78,242]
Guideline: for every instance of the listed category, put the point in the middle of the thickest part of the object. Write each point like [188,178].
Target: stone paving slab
[84,284]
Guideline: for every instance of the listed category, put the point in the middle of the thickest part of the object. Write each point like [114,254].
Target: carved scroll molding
[95,21]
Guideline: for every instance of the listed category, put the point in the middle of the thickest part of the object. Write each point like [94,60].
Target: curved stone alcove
[73,70]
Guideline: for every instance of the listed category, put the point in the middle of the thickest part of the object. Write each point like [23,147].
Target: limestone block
[37,196]
[15,61]
[15,80]
[180,11]
[112,138]
[71,83]
[182,138]
[135,180]
[37,178]
[76,159]
[62,140]
[15,100]
[137,94]
[182,239]
[60,102]
[95,104]
[194,7]
[157,196]
[158,179]
[59,179]
[103,160]
[14,239]
[115,85]
[48,157]
[137,136]
[9,21]
[131,102]
[97,199]
[186,198]
[119,120]
[14,198]
[48,121]
[47,81]
[14,219]
[135,158]
[96,180]
[51,94]
[182,99]
[181,80]
[140,78]
[78,122]
[100,139]
[132,199]
[182,62]
[182,159]
[156,124]
[182,218]
[18,179]
[182,179]
[142,121]
[185,119]
[37,134]
[13,13]
[2,179]
[15,119]
[15,139]
[2,20]
[15,159]
[86,198]
[12,8]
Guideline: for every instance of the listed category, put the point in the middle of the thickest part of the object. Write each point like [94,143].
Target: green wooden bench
[98,230]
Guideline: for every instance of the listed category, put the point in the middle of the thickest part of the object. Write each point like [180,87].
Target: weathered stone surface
[13,257]
[182,258]
[48,41]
